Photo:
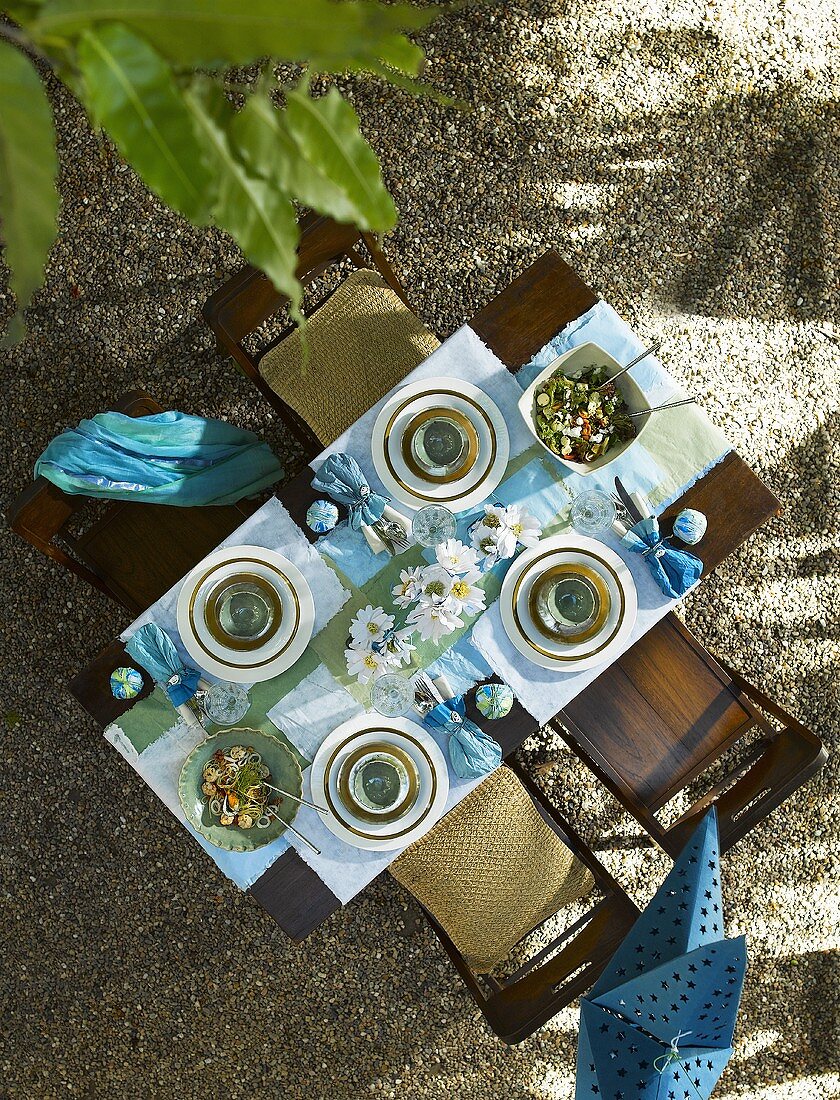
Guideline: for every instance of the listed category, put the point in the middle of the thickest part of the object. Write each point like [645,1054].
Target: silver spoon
[654,347]
[293,830]
[670,405]
[294,798]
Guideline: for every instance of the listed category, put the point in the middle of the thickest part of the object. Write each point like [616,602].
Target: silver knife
[628,502]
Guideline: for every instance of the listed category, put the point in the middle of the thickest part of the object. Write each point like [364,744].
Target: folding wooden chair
[132,552]
[362,338]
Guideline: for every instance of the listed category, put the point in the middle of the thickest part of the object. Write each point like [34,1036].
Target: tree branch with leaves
[149,73]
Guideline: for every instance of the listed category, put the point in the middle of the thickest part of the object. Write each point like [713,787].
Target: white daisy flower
[484,542]
[435,583]
[370,624]
[498,541]
[407,591]
[525,527]
[494,516]
[364,663]
[464,597]
[434,621]
[398,647]
[456,557]
[494,524]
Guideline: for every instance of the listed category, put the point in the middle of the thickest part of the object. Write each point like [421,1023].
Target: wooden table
[515,325]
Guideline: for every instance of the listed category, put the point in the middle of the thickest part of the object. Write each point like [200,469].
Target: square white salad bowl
[572,364]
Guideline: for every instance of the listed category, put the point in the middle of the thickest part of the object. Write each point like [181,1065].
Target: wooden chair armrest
[248,298]
[788,761]
[516,1010]
[137,403]
[764,703]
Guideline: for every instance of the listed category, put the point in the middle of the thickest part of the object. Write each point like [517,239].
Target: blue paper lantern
[321,516]
[494,700]
[126,683]
[690,526]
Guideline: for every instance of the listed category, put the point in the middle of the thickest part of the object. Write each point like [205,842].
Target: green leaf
[316,153]
[130,91]
[326,131]
[256,212]
[196,33]
[28,165]
[407,84]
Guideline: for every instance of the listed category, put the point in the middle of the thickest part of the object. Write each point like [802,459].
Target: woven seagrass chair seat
[492,870]
[362,341]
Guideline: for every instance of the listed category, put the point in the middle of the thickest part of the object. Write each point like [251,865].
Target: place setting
[440,441]
[245,613]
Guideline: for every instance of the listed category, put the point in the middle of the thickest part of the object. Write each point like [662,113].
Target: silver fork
[621,511]
[426,695]
[392,534]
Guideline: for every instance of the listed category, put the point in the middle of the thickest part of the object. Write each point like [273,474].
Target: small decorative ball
[126,683]
[494,700]
[321,516]
[690,526]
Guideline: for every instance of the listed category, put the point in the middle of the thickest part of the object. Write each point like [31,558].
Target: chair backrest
[248,299]
[131,552]
[517,1004]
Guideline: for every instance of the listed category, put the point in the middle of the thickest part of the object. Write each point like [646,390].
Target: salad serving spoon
[670,405]
[654,347]
[298,834]
[294,798]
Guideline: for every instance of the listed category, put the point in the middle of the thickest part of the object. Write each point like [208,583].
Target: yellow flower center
[460,589]
[370,662]
[435,588]
[373,628]
[491,520]
[516,528]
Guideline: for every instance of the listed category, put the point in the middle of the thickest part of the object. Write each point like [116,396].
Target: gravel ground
[680,156]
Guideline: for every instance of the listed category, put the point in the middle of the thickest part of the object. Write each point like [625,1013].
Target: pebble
[682,157]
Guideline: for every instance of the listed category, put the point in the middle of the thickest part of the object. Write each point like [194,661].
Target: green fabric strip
[148,719]
[683,442]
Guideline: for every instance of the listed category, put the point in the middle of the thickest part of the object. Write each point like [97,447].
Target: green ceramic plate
[285,773]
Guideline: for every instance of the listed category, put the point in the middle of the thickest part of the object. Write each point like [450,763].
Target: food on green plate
[236,784]
[578,421]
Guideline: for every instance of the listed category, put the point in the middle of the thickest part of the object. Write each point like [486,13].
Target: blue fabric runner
[167,458]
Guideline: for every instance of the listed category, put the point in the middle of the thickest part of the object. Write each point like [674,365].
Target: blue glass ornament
[494,700]
[690,526]
[126,683]
[321,516]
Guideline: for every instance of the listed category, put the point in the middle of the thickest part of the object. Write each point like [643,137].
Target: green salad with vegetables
[578,421]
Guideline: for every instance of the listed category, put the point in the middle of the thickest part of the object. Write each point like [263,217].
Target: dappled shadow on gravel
[684,165]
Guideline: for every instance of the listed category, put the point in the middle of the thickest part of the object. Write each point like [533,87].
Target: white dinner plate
[407,485]
[554,654]
[433,776]
[277,578]
[565,650]
[281,650]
